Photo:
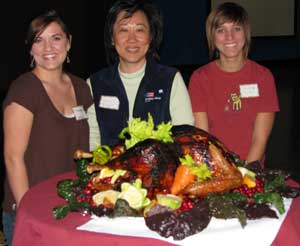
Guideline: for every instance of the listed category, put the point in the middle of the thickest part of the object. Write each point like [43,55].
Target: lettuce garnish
[102,154]
[202,172]
[139,130]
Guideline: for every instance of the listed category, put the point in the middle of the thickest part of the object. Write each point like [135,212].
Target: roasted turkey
[205,148]
[155,163]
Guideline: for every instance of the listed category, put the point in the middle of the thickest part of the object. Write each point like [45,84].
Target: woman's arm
[261,132]
[93,123]
[17,125]
[180,103]
[201,120]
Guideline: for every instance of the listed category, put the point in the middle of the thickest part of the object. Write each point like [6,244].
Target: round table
[36,226]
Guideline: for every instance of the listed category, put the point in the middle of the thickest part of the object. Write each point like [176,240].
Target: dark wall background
[184,46]
[185,41]
[85,19]
[184,37]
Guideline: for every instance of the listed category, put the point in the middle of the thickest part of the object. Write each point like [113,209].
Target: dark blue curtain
[184,31]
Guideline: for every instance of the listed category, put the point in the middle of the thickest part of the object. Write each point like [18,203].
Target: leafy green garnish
[202,172]
[272,185]
[163,132]
[81,171]
[140,130]
[122,208]
[222,206]
[236,196]
[65,190]
[272,198]
[61,211]
[102,154]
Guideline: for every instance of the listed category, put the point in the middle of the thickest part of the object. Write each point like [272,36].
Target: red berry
[185,205]
[79,199]
[260,189]
[87,191]
[88,198]
[89,184]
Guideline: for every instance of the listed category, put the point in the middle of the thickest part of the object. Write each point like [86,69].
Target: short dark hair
[227,12]
[40,23]
[154,19]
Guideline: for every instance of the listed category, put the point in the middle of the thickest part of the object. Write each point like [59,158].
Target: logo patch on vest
[151,96]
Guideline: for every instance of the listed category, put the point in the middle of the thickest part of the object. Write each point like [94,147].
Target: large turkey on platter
[177,177]
[156,163]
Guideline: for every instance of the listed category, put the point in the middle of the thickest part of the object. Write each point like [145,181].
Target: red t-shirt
[232,101]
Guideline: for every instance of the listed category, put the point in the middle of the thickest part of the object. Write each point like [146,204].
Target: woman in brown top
[45,117]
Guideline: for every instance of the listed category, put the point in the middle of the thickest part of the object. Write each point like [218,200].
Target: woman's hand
[201,120]
[261,132]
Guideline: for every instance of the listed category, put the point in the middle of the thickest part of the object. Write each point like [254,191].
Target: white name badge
[79,113]
[109,102]
[249,90]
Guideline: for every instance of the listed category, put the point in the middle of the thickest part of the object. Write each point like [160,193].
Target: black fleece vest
[153,97]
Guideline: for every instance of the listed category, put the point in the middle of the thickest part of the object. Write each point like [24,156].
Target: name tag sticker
[249,90]
[109,102]
[79,113]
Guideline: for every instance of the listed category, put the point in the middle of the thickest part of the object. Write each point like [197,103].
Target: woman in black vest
[135,84]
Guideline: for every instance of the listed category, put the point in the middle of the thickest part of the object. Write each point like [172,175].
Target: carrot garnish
[182,178]
[187,173]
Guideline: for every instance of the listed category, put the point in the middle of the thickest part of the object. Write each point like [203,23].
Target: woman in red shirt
[233,97]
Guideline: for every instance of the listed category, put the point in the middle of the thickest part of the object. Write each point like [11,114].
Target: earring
[68,59]
[32,63]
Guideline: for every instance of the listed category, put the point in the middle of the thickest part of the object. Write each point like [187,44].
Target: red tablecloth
[36,226]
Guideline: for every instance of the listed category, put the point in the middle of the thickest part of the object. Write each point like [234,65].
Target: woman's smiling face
[230,39]
[50,48]
[131,37]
